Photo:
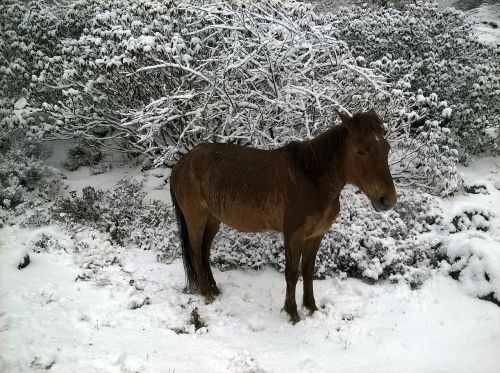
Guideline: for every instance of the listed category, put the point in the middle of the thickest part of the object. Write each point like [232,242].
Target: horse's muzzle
[383,203]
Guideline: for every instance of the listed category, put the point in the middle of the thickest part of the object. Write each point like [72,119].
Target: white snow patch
[20,104]
[486,20]
[446,113]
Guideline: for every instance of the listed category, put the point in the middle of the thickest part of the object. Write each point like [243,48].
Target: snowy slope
[486,19]
[133,316]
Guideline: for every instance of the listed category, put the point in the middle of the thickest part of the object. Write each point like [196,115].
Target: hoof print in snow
[244,362]
[24,263]
[455,274]
[134,304]
[347,317]
[496,183]
[471,220]
[492,24]
[39,363]
[47,244]
[476,189]
[196,319]
[490,298]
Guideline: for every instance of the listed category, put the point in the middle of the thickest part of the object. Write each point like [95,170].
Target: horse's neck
[322,159]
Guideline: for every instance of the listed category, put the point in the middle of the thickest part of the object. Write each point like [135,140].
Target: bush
[122,214]
[166,76]
[27,186]
[85,153]
[473,261]
[432,50]
[29,39]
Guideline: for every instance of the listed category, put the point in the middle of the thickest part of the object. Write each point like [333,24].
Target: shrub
[472,262]
[404,244]
[433,50]
[123,215]
[85,153]
[27,186]
[163,77]
[29,38]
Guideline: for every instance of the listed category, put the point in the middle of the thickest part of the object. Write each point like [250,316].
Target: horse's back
[209,160]
[241,186]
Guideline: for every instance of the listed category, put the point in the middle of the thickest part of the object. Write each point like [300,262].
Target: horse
[293,189]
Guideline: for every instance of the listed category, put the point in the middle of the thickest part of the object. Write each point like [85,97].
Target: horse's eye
[361,152]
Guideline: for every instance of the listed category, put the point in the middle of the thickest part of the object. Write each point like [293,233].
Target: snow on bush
[432,50]
[471,219]
[156,78]
[27,186]
[473,256]
[123,216]
[95,252]
[475,262]
[84,153]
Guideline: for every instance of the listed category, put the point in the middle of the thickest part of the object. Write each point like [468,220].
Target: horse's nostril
[384,202]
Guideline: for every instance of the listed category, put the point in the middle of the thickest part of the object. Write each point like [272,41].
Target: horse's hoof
[294,318]
[293,315]
[215,291]
[209,299]
[311,308]
[210,296]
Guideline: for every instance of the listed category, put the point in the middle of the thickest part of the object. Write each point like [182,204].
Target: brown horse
[293,189]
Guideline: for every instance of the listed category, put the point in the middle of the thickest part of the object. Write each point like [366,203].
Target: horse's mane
[316,154]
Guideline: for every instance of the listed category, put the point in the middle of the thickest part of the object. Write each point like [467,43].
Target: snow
[446,113]
[477,253]
[486,19]
[20,104]
[154,181]
[131,315]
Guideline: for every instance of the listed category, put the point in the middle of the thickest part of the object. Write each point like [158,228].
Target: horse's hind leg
[196,222]
[211,229]
[309,252]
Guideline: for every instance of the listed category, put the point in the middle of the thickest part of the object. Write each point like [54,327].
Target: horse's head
[366,159]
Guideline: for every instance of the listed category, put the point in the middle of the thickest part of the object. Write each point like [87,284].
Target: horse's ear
[373,114]
[346,119]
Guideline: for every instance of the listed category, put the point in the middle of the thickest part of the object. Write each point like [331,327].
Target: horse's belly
[251,220]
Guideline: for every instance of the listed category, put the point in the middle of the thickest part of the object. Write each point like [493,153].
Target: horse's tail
[191,280]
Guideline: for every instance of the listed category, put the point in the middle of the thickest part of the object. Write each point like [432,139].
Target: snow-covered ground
[133,316]
[486,20]
[485,17]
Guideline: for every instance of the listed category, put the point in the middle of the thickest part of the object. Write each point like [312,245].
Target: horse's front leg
[309,252]
[293,250]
